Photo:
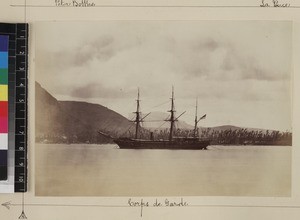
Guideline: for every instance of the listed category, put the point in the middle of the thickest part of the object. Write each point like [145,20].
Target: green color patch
[3,76]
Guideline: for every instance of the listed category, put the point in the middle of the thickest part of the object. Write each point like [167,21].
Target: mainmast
[172,118]
[138,115]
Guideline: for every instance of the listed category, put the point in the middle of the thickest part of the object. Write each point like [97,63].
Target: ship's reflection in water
[105,170]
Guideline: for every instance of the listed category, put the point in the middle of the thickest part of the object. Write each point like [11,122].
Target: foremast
[138,116]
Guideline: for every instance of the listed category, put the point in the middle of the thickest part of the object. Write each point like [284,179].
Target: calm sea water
[105,170]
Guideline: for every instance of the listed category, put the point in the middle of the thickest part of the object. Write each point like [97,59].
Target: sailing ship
[173,143]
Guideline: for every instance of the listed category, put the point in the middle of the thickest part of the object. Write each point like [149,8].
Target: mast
[172,118]
[138,113]
[196,120]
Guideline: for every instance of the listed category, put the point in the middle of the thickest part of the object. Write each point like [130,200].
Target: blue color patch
[3,59]
[4,43]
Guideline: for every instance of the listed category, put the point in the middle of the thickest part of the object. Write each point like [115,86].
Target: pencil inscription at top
[274,3]
[74,3]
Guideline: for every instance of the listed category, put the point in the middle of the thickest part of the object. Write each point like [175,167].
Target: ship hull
[162,144]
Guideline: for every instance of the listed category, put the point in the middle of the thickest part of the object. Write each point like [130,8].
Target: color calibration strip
[7,186]
[21,91]
[4,42]
[17,107]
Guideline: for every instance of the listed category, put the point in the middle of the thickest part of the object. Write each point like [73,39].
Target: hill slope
[74,121]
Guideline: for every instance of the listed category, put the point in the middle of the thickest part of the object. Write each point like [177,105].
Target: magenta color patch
[3,125]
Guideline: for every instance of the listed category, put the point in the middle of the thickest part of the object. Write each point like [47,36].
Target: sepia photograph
[163,108]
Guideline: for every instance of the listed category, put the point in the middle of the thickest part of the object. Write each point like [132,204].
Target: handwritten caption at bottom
[157,203]
[143,203]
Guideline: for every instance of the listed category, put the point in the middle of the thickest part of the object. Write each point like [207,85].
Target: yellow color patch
[3,93]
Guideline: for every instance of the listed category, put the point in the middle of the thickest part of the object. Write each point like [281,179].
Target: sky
[240,71]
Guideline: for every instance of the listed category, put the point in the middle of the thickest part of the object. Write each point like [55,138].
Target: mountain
[61,121]
[48,113]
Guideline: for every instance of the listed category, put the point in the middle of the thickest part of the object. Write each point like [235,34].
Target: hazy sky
[240,71]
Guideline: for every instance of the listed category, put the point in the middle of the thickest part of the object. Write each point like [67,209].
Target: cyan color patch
[3,60]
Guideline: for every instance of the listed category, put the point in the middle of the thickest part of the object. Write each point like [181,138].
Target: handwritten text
[274,3]
[74,3]
[157,203]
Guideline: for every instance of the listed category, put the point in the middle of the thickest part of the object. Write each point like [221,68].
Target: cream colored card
[242,55]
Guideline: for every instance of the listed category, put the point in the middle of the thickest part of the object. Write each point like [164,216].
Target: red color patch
[3,109]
